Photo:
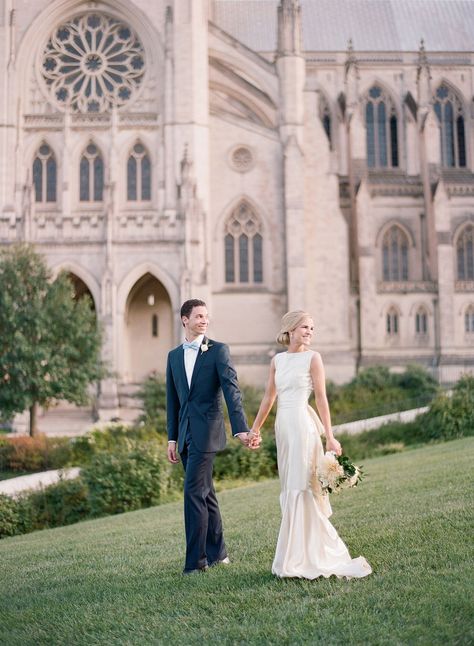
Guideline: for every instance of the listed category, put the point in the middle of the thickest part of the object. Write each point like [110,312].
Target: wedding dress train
[308,545]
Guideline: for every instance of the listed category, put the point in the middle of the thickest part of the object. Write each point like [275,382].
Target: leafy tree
[49,341]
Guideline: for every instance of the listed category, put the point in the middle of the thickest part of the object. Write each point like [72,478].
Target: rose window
[242,159]
[92,63]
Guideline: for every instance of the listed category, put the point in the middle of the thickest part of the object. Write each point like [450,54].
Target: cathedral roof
[373,25]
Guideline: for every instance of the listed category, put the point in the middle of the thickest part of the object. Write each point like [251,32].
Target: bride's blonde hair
[289,322]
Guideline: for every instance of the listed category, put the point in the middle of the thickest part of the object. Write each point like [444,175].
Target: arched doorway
[148,327]
[80,289]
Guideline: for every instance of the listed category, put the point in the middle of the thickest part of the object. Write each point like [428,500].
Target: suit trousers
[202,519]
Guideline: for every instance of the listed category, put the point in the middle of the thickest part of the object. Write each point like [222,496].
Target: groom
[196,373]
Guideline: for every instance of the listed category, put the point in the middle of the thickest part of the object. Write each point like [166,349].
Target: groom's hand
[172,454]
[255,439]
[243,438]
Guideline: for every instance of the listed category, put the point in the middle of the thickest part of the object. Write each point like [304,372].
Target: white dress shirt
[190,357]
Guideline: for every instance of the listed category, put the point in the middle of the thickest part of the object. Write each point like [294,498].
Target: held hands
[251,440]
[255,439]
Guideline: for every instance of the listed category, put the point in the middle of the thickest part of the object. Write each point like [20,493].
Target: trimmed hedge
[38,453]
[126,481]
[110,484]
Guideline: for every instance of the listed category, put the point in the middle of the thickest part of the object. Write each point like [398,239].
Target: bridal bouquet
[336,472]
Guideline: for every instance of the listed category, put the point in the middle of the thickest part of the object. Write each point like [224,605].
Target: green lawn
[117,580]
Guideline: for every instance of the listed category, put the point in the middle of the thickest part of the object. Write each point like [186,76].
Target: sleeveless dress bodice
[293,379]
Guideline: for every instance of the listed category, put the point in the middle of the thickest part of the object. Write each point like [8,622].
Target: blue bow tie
[194,345]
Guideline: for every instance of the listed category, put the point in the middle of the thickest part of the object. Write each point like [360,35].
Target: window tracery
[243,247]
[93,62]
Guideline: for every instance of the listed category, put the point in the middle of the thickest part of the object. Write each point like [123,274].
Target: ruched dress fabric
[308,545]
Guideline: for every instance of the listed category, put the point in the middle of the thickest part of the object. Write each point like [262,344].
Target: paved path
[14,486]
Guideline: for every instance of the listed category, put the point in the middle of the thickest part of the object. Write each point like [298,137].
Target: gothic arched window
[391,322]
[382,129]
[465,253]
[138,174]
[469,320]
[154,325]
[325,116]
[448,108]
[395,255]
[45,175]
[91,175]
[421,322]
[243,247]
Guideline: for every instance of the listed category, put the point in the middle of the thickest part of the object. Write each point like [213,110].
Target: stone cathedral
[262,155]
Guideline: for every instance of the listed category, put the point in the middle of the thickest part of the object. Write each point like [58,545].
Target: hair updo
[289,322]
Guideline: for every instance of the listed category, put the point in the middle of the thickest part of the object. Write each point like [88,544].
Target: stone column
[446,263]
[189,126]
[109,400]
[291,71]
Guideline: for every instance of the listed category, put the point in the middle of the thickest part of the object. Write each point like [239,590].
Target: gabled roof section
[373,25]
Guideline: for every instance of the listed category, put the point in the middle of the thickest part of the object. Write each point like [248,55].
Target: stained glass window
[465,253]
[91,175]
[138,174]
[449,111]
[391,322]
[92,62]
[395,255]
[243,247]
[382,129]
[469,320]
[421,322]
[44,175]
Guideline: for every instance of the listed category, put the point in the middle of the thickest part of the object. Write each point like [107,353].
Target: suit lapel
[200,359]
[180,367]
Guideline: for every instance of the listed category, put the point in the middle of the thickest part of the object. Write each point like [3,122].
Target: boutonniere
[205,345]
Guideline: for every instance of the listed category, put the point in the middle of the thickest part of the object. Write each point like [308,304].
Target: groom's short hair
[187,306]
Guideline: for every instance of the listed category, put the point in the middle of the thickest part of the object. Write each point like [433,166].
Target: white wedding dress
[308,545]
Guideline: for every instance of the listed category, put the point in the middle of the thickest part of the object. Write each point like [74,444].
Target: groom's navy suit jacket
[197,408]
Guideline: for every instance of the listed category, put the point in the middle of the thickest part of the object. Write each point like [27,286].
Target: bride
[308,545]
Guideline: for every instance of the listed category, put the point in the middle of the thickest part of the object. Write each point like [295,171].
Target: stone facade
[155,156]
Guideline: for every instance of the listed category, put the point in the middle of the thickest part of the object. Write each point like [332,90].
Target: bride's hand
[255,439]
[333,445]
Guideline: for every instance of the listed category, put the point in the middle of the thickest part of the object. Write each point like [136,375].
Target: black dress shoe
[196,570]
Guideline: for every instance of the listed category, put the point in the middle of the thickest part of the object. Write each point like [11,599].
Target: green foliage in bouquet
[336,472]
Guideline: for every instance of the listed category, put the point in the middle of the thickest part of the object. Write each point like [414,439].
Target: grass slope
[117,580]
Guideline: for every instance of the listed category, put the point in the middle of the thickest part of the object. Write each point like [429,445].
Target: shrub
[373,379]
[9,516]
[416,381]
[153,396]
[452,416]
[63,503]
[114,438]
[377,391]
[37,453]
[126,481]
[236,461]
